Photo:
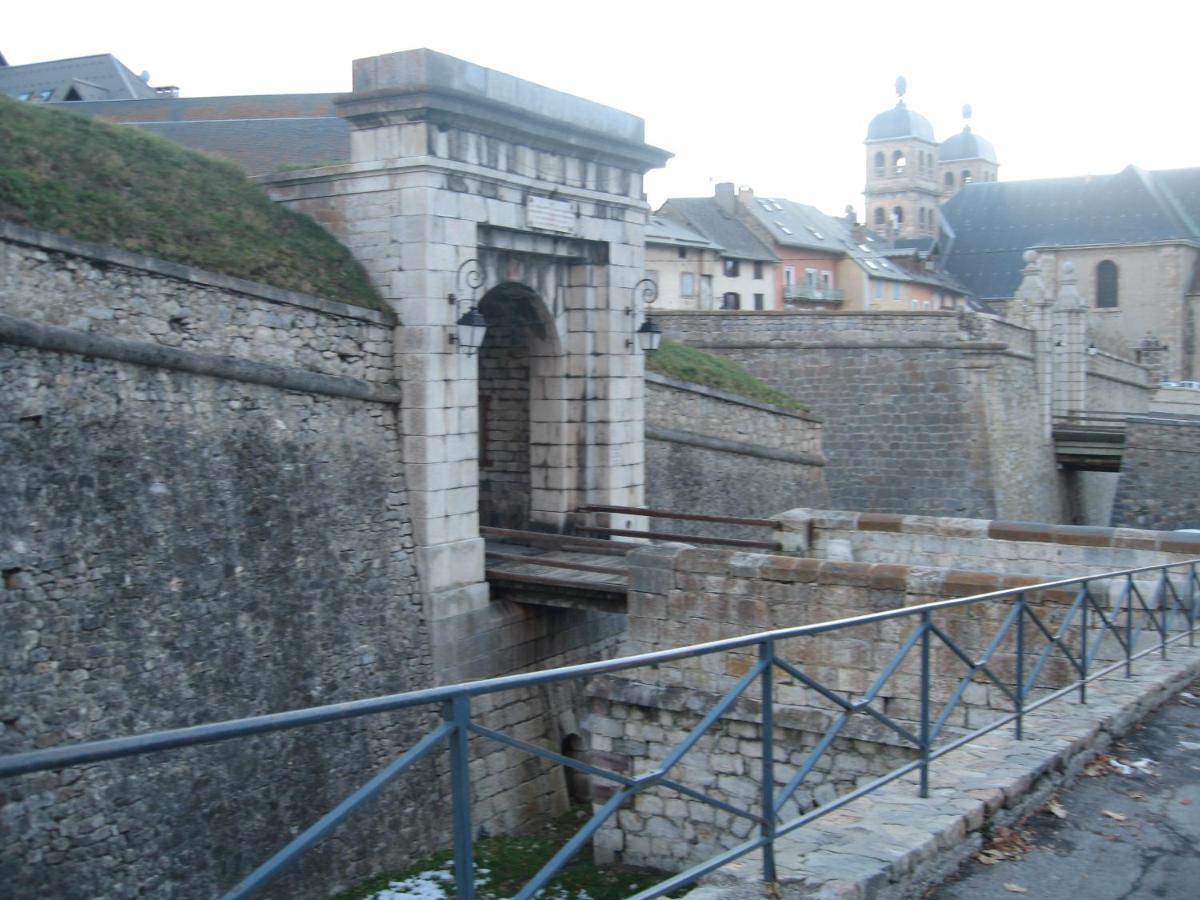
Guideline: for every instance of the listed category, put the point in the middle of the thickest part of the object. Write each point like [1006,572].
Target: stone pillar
[1069,330]
[1032,308]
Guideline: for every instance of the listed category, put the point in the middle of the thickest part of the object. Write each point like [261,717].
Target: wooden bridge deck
[557,570]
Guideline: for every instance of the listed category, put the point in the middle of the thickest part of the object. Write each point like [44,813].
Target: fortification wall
[1159,486]
[713,452]
[922,413]
[1115,384]
[205,517]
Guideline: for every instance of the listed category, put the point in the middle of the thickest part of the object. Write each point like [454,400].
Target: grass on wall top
[685,363]
[116,185]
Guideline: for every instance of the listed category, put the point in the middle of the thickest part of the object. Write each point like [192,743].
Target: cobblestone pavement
[1121,835]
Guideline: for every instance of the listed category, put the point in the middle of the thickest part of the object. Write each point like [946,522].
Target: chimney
[851,215]
[726,199]
[745,196]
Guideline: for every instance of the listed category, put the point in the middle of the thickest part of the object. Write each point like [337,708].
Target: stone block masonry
[181,544]
[925,412]
[1159,485]
[709,451]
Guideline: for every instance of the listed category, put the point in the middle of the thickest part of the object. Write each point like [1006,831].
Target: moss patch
[689,364]
[116,185]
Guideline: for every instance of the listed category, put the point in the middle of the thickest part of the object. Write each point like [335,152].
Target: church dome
[899,122]
[966,145]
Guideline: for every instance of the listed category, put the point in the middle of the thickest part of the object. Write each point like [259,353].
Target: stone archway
[519,349]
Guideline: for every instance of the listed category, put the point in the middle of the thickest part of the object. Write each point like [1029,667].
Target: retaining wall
[709,451]
[1159,485]
[925,412]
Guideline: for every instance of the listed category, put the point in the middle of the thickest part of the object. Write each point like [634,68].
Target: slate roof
[661,230]
[99,77]
[995,222]
[966,145]
[259,132]
[726,230]
[899,122]
[793,224]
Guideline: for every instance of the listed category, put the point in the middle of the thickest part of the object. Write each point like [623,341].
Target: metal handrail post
[1129,626]
[766,653]
[1020,674]
[1083,642]
[458,711]
[1191,604]
[925,629]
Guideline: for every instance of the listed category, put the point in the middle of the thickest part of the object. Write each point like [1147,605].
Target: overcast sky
[771,95]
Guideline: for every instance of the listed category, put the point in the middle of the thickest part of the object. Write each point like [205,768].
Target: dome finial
[901,89]
[967,116]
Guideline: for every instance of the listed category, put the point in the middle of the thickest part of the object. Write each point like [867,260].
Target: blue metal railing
[1084,628]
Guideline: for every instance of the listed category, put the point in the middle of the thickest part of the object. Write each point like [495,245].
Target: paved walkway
[1121,836]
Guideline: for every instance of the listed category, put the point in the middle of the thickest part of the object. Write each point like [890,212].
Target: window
[45,95]
[949,179]
[1106,285]
[966,176]
[921,216]
[826,281]
[815,233]
[878,290]
[759,301]
[683,252]
[783,228]
[898,215]
[899,162]
[732,268]
[879,215]
[706,294]
[687,284]
[789,276]
[758,266]
[28,95]
[731,300]
[810,278]
[880,164]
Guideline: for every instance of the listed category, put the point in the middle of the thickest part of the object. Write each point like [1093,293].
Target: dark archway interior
[504,369]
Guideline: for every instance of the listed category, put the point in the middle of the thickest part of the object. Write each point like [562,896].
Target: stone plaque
[550,215]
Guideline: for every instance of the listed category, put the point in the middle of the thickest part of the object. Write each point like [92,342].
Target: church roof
[899,122]
[995,222]
[967,145]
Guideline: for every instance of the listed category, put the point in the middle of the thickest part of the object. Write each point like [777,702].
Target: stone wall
[1159,486]
[1117,384]
[683,595]
[709,451]
[504,425]
[924,412]
[982,545]
[205,517]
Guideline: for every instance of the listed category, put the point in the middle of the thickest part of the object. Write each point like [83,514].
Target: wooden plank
[540,560]
[683,517]
[557,541]
[546,581]
[686,538]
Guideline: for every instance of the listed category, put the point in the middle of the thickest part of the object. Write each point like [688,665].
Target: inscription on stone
[550,215]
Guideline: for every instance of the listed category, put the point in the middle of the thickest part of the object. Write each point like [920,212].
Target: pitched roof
[995,222]
[792,224]
[259,132]
[661,230]
[724,229]
[99,77]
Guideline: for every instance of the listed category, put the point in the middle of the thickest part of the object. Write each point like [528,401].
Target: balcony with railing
[812,294]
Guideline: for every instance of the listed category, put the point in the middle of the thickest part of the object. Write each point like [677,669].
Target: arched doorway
[519,351]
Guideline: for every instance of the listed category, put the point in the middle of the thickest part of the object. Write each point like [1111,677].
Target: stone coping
[996,529]
[922,581]
[718,394]
[891,843]
[56,243]
[844,313]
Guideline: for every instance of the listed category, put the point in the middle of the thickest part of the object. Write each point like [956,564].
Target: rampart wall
[1117,384]
[205,517]
[923,411]
[1159,485]
[712,451]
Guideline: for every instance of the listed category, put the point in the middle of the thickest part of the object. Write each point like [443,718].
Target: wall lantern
[648,336]
[471,326]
